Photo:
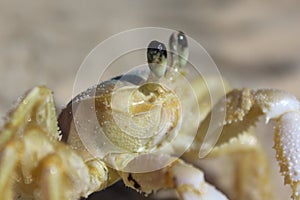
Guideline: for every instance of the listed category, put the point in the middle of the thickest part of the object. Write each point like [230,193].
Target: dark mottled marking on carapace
[136,185]
[130,78]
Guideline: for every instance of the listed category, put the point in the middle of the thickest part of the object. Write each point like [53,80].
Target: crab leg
[287,141]
[36,107]
[54,173]
[8,156]
[244,107]
[34,164]
[251,174]
[185,179]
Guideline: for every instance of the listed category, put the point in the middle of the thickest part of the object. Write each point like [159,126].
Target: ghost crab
[37,161]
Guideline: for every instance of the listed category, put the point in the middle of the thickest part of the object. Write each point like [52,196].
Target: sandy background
[254,43]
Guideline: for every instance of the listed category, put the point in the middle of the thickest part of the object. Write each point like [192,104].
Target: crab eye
[157,58]
[179,50]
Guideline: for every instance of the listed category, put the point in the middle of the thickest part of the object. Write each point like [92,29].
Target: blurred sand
[254,43]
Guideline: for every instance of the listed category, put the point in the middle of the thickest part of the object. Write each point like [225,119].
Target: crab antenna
[157,58]
[179,50]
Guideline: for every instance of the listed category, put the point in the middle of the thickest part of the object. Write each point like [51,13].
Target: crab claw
[243,109]
[284,108]
[287,145]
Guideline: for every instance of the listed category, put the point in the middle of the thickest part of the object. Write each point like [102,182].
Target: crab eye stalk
[179,50]
[157,58]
